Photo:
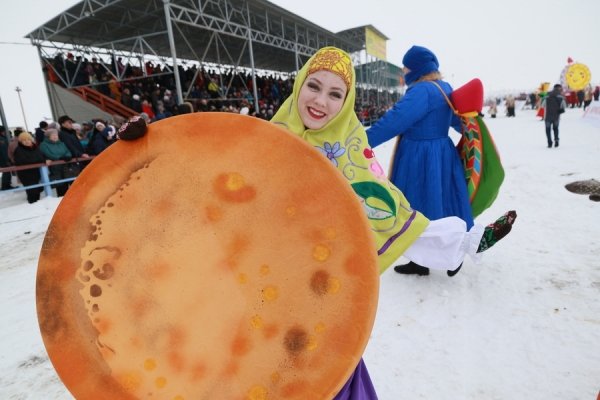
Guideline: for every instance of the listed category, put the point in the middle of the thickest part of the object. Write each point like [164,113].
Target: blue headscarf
[420,61]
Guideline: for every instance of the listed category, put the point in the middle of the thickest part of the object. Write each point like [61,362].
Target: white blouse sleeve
[445,243]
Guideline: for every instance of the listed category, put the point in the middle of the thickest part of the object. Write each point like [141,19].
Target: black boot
[411,269]
[452,273]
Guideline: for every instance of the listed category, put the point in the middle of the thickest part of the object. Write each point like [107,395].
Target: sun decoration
[334,60]
[576,76]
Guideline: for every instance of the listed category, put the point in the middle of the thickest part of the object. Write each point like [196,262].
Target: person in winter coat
[53,149]
[147,108]
[102,137]
[493,109]
[554,105]
[68,136]
[40,132]
[4,160]
[27,152]
[425,164]
[510,105]
[588,96]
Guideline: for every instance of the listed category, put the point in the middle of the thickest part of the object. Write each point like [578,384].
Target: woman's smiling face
[321,98]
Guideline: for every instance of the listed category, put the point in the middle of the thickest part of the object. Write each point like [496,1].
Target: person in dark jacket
[4,160]
[40,132]
[68,136]
[27,152]
[102,137]
[554,105]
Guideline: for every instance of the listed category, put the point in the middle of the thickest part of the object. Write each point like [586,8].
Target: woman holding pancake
[320,110]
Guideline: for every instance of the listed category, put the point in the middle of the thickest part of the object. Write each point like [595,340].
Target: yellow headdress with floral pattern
[334,60]
[344,142]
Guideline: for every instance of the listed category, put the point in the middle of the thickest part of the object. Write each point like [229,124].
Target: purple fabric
[359,386]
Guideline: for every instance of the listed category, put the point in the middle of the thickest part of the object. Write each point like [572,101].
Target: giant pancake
[216,257]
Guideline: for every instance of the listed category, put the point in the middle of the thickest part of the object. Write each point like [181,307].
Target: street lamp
[18,90]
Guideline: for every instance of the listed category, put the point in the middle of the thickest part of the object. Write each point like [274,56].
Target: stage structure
[227,35]
[373,71]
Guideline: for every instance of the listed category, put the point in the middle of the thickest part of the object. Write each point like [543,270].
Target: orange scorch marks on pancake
[140,305]
[53,321]
[236,248]
[354,265]
[270,331]
[103,325]
[158,271]
[176,360]
[232,187]
[176,336]
[231,368]
[162,208]
[240,346]
[293,389]
[213,213]
[198,371]
[136,342]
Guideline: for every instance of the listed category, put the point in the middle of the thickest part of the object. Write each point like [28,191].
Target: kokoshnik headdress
[333,60]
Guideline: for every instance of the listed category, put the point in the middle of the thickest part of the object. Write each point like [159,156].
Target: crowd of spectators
[151,94]
[64,146]
[210,89]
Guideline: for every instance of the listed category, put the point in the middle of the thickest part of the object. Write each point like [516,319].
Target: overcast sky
[511,45]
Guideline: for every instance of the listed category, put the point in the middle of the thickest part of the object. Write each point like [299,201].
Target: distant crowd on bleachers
[153,91]
[151,94]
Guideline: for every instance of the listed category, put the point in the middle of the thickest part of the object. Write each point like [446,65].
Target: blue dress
[426,166]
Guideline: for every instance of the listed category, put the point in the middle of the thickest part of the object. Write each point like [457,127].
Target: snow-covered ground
[524,324]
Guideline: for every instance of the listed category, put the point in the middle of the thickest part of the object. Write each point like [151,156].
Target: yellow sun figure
[578,76]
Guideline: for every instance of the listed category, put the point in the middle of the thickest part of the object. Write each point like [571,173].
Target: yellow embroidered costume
[344,141]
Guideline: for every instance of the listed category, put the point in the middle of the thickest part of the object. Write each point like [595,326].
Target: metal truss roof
[212,31]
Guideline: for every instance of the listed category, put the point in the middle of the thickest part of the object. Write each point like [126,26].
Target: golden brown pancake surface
[217,257]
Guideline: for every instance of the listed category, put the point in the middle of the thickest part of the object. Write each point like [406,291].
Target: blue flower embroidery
[332,152]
